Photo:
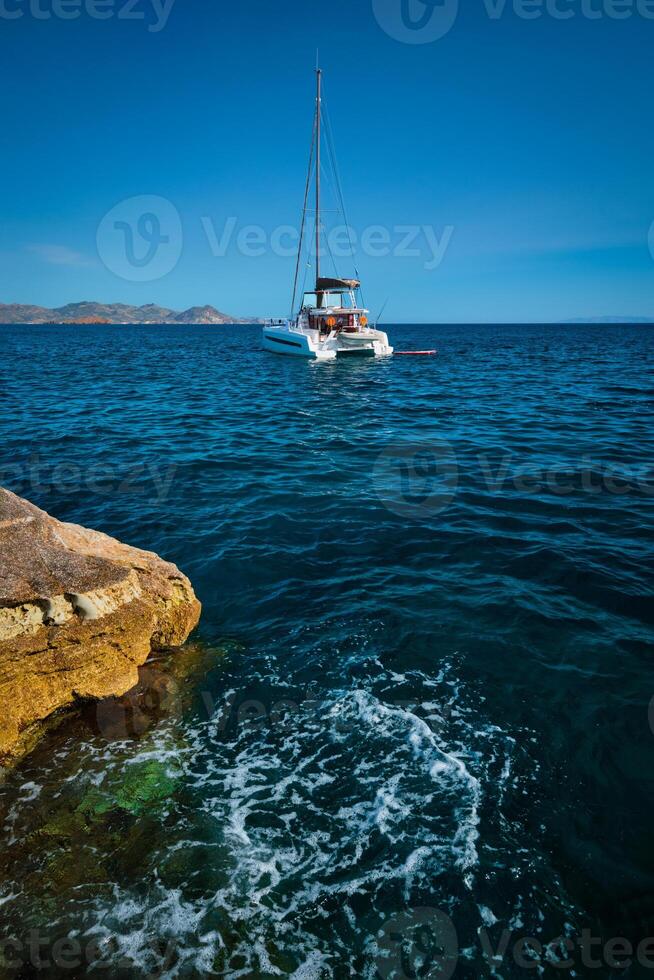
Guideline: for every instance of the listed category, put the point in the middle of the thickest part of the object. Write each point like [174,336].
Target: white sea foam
[310,829]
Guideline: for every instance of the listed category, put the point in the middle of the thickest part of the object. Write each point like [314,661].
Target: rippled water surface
[421,684]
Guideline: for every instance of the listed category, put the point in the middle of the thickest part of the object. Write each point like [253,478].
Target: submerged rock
[79,613]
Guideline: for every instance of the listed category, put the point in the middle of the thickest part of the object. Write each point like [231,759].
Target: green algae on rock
[145,787]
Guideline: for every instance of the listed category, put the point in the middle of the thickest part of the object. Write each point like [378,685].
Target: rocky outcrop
[79,613]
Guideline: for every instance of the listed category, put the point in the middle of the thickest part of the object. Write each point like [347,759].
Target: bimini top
[334,285]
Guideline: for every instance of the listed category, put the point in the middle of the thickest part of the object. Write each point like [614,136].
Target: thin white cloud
[60,255]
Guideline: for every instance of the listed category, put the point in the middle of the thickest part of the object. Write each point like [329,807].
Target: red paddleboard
[415,353]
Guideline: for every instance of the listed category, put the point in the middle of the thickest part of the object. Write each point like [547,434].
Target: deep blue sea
[413,730]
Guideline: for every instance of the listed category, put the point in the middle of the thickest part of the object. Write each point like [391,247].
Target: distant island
[119,313]
[600,320]
[122,313]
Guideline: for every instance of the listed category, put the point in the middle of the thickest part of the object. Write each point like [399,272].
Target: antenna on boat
[381,312]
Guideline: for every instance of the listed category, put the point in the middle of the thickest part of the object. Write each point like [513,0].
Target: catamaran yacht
[332,321]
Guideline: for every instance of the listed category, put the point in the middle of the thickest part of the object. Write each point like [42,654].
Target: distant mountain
[14,313]
[611,319]
[202,314]
[112,313]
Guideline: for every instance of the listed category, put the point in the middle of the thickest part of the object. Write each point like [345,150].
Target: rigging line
[331,255]
[334,160]
[332,153]
[330,180]
[333,181]
[307,264]
[330,183]
[304,215]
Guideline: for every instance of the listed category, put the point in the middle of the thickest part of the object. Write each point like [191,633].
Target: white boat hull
[294,343]
[305,343]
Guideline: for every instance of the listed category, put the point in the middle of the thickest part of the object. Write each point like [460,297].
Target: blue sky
[525,147]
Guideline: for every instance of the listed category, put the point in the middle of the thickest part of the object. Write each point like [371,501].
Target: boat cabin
[333,306]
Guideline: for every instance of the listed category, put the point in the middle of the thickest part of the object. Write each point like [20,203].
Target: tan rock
[79,613]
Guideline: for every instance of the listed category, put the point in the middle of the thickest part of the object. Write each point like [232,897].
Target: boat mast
[318,113]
